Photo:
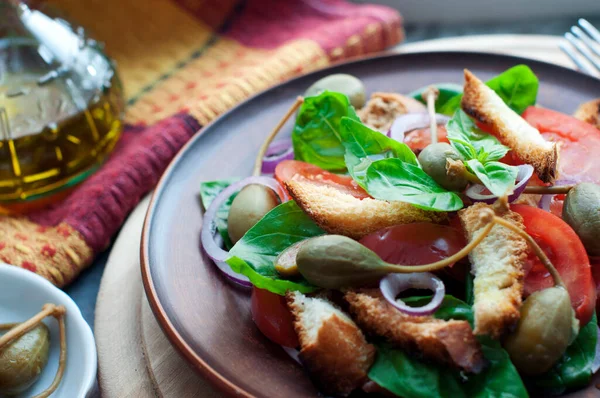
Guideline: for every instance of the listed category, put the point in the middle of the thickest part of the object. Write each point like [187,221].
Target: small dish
[22,295]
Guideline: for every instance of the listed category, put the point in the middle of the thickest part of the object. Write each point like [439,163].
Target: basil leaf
[447,92]
[574,369]
[498,177]
[208,192]
[393,179]
[517,86]
[364,146]
[410,377]
[316,134]
[255,253]
[472,143]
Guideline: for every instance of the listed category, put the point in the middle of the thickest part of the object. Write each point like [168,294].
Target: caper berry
[433,159]
[335,261]
[22,362]
[341,83]
[248,207]
[285,263]
[582,212]
[546,328]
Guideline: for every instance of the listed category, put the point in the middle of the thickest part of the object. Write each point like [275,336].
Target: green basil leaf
[316,136]
[393,179]
[410,377]
[498,177]
[472,143]
[574,369]
[208,192]
[255,253]
[364,146]
[447,92]
[517,86]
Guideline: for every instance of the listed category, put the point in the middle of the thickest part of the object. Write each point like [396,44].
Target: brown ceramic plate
[203,315]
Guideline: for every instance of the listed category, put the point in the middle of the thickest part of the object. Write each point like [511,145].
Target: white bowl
[22,295]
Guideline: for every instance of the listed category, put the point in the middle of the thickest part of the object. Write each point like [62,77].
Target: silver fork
[582,45]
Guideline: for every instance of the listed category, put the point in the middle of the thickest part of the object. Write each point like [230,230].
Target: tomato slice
[273,318]
[415,244]
[418,139]
[566,252]
[297,170]
[579,143]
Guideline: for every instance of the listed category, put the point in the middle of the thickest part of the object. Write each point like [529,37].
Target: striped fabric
[183,63]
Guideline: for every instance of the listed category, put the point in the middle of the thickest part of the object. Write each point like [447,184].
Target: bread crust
[337,355]
[497,263]
[339,213]
[483,104]
[589,112]
[448,342]
[383,108]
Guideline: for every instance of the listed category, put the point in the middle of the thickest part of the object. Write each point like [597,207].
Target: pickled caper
[248,207]
[335,261]
[285,263]
[582,212]
[22,361]
[433,159]
[341,83]
[546,328]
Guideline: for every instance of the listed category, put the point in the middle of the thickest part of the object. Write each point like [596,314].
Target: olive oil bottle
[61,107]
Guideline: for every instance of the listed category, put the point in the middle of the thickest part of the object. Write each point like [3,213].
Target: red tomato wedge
[579,143]
[273,318]
[415,244]
[564,249]
[417,140]
[297,170]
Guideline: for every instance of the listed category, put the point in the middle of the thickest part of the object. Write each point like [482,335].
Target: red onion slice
[596,363]
[293,353]
[475,191]
[412,121]
[211,240]
[546,200]
[277,152]
[394,284]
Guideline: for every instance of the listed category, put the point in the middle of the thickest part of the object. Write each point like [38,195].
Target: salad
[437,244]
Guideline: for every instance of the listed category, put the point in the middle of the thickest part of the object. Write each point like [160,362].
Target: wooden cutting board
[135,358]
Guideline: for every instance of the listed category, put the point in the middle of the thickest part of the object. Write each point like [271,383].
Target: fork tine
[594,46]
[584,51]
[576,58]
[590,29]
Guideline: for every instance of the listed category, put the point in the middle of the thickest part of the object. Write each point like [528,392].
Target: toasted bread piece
[448,342]
[339,213]
[383,108]
[589,112]
[497,263]
[483,104]
[332,348]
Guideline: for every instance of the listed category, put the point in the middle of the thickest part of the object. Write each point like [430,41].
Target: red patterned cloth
[183,63]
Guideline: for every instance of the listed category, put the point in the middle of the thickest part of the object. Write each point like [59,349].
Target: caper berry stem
[430,95]
[265,145]
[17,330]
[535,247]
[530,189]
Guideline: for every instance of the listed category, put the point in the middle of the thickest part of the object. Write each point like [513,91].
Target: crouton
[332,348]
[383,108]
[483,104]
[342,214]
[447,342]
[497,263]
[589,112]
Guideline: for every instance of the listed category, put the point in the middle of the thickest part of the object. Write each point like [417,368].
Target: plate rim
[174,337]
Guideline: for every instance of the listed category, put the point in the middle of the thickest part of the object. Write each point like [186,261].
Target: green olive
[285,263]
[22,362]
[433,159]
[248,207]
[546,328]
[582,212]
[341,83]
[335,261]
